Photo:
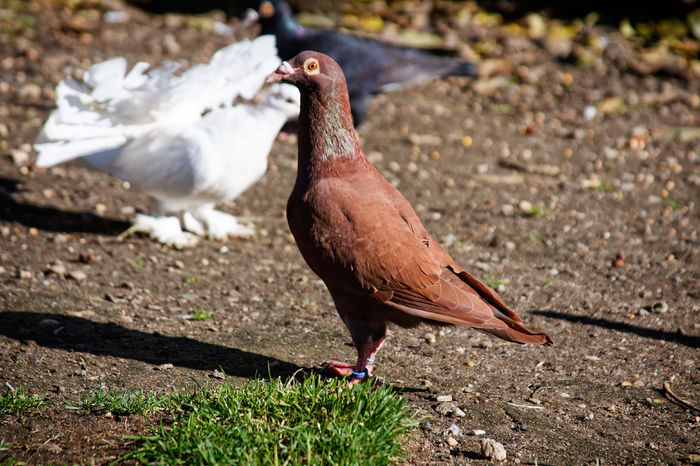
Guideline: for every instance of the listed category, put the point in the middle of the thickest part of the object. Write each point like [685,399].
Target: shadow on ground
[109,339]
[52,219]
[687,340]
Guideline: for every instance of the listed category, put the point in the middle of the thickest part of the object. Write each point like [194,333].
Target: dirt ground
[589,228]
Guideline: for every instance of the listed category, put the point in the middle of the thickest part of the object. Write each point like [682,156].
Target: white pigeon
[177,138]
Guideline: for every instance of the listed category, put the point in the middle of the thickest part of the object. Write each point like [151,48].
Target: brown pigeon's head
[309,71]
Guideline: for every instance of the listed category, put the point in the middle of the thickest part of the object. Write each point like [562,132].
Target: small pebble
[452,442]
[77,275]
[163,367]
[48,324]
[525,206]
[453,430]
[589,112]
[446,408]
[643,311]
[116,17]
[58,269]
[82,314]
[443,398]
[430,339]
[478,432]
[30,91]
[491,449]
[425,425]
[86,258]
[661,307]
[20,157]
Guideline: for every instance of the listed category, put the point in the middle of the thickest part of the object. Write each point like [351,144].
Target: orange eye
[311,66]
[266,9]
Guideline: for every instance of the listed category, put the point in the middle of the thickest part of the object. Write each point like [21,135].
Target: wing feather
[401,265]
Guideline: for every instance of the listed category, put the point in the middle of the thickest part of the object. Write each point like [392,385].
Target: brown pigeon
[362,237]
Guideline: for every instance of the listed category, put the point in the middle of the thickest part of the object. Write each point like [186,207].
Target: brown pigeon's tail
[516,332]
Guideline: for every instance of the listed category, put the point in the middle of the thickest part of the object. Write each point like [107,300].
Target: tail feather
[516,332]
[519,334]
[463,68]
[54,153]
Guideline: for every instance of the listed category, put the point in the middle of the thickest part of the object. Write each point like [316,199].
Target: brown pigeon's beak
[284,70]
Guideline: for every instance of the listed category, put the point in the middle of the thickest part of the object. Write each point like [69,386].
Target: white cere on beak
[285,68]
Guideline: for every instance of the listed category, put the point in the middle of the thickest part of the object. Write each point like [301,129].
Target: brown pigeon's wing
[395,260]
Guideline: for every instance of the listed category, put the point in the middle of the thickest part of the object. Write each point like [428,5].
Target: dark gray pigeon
[369,66]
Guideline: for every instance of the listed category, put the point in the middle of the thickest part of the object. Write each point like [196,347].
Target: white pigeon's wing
[213,160]
[112,106]
[163,162]
[238,70]
[53,153]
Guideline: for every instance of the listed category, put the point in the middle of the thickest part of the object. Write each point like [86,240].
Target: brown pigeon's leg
[368,338]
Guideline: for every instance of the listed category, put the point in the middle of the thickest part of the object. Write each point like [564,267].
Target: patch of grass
[191,278]
[533,237]
[202,313]
[605,186]
[536,211]
[5,447]
[18,401]
[271,422]
[462,245]
[120,403]
[137,264]
[545,281]
[15,20]
[500,109]
[671,203]
[494,282]
[305,302]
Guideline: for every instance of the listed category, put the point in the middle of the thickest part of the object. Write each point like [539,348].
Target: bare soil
[589,229]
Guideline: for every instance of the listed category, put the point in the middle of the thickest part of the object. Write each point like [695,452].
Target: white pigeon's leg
[165,229]
[220,224]
[192,224]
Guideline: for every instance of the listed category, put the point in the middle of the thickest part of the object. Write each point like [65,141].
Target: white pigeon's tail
[95,119]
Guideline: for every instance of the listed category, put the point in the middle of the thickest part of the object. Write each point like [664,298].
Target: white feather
[177,138]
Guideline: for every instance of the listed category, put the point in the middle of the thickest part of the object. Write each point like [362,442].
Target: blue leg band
[359,375]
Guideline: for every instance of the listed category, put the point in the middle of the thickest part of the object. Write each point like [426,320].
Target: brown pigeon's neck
[326,133]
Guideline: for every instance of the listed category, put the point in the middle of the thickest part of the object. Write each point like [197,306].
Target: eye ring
[311,66]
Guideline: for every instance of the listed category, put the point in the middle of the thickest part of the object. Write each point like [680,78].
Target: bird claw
[221,225]
[165,230]
[337,368]
[341,369]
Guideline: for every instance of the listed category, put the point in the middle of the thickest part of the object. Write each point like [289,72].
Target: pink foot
[337,368]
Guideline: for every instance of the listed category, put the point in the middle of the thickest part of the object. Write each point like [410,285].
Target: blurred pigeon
[369,66]
[177,138]
[361,236]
